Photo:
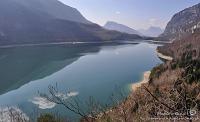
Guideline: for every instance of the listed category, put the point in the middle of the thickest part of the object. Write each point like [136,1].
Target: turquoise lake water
[83,69]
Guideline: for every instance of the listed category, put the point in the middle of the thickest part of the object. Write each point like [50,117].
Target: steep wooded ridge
[44,21]
[182,24]
[172,92]
[174,86]
[173,89]
[178,47]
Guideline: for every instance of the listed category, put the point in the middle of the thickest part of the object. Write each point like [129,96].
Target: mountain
[54,8]
[151,31]
[20,24]
[120,27]
[182,23]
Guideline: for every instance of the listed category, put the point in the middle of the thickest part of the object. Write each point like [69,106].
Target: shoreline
[53,43]
[160,55]
[67,43]
[74,43]
[144,80]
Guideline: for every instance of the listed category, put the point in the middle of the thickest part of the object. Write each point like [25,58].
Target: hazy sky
[134,13]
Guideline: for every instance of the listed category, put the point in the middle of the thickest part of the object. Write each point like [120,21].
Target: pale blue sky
[134,13]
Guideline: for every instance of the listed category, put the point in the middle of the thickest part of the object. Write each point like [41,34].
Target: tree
[89,111]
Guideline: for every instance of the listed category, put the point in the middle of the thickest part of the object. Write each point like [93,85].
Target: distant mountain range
[151,31]
[44,21]
[110,25]
[182,24]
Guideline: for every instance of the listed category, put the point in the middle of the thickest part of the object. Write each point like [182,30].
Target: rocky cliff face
[182,24]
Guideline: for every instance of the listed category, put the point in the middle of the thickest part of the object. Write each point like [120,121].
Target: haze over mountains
[151,31]
[110,25]
[183,24]
[44,21]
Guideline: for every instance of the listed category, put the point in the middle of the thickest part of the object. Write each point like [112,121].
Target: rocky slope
[182,24]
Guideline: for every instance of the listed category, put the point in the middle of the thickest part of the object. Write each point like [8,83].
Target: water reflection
[23,64]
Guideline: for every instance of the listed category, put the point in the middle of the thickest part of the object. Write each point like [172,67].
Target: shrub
[157,71]
[46,118]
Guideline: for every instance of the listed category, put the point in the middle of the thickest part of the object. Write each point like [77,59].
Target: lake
[83,70]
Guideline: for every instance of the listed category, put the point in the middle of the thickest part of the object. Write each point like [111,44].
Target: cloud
[117,12]
[152,21]
[157,22]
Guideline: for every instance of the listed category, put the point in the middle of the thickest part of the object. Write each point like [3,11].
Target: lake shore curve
[144,80]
